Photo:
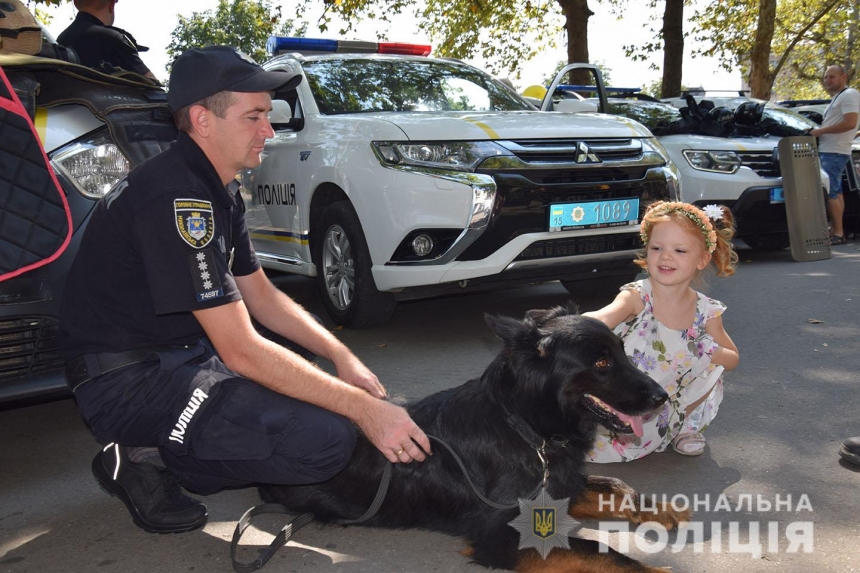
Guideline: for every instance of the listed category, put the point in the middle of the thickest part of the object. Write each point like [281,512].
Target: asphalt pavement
[770,493]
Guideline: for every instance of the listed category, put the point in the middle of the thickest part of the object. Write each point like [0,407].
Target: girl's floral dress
[678,360]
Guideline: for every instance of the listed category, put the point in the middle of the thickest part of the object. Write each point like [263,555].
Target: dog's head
[559,367]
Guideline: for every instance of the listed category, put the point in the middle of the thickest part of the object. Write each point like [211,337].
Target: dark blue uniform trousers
[215,429]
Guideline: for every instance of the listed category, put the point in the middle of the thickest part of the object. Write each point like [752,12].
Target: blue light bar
[281,44]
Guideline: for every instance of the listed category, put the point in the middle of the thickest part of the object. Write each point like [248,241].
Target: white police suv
[395,176]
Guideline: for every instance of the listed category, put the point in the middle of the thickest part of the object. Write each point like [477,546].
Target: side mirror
[281,116]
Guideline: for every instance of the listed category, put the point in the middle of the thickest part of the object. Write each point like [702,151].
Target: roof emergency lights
[281,44]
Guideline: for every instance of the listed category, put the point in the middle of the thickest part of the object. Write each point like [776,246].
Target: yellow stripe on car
[487,129]
[41,123]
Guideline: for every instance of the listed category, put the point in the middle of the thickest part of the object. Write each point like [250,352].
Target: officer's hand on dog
[390,429]
[352,371]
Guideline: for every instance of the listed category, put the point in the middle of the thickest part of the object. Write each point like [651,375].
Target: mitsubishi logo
[584,154]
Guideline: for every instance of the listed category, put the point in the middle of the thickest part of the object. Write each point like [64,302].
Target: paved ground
[787,408]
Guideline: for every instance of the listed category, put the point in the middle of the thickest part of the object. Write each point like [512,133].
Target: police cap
[202,72]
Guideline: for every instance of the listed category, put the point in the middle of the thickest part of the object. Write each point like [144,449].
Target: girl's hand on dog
[390,429]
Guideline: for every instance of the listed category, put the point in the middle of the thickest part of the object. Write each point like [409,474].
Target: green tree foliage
[807,35]
[605,71]
[244,24]
[42,15]
[504,33]
[669,39]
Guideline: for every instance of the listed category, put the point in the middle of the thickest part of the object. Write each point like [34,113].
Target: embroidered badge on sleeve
[207,284]
[194,221]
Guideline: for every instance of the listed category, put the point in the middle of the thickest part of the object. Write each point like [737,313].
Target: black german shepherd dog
[558,376]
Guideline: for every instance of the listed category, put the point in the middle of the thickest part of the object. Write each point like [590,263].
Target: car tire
[599,287]
[344,275]
[771,242]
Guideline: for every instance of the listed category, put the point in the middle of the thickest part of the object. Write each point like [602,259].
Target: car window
[367,85]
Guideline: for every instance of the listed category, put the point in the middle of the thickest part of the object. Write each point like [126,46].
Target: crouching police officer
[165,364]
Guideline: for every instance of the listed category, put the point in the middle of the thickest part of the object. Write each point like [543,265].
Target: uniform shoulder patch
[207,284]
[194,221]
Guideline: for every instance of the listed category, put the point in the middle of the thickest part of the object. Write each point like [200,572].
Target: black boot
[152,495]
[850,451]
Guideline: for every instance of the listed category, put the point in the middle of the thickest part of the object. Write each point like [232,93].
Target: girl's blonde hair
[714,224]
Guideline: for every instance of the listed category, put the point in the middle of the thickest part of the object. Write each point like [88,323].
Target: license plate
[777,195]
[593,214]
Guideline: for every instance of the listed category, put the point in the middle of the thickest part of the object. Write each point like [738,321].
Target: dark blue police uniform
[171,238]
[102,47]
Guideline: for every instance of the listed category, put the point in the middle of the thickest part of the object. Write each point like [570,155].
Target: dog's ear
[522,335]
[507,328]
[541,316]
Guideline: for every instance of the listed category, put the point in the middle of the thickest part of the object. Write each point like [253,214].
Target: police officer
[98,43]
[156,324]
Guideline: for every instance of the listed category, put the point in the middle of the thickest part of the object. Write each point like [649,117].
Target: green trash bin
[804,198]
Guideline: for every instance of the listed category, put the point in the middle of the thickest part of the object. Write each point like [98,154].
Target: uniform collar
[89,18]
[205,171]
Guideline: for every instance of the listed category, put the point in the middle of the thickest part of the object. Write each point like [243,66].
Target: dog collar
[528,433]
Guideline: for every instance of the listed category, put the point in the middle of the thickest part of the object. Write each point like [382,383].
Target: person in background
[99,44]
[835,136]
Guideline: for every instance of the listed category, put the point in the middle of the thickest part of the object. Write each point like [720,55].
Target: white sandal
[689,444]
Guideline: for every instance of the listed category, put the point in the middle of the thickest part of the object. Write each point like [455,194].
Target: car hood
[515,125]
[706,142]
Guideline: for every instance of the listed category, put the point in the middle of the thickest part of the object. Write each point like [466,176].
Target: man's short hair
[217,104]
[838,67]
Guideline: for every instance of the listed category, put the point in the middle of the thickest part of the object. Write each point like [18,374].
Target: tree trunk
[850,64]
[576,15]
[761,78]
[673,48]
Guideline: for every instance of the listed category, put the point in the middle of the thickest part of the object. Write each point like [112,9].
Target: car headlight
[94,166]
[457,155]
[715,161]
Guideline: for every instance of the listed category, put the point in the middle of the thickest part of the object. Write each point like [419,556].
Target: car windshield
[648,113]
[789,118]
[358,85]
[664,119]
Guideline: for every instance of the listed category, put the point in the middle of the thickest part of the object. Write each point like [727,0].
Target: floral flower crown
[701,217]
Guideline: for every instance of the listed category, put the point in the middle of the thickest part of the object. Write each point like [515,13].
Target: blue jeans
[834,165]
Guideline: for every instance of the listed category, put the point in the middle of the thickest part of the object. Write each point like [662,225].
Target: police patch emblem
[194,221]
[544,523]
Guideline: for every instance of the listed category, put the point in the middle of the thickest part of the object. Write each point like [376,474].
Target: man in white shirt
[834,142]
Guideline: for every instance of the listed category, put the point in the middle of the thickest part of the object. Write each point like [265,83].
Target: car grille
[567,151]
[28,346]
[580,246]
[762,162]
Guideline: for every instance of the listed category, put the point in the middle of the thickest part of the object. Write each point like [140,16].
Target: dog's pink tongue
[634,421]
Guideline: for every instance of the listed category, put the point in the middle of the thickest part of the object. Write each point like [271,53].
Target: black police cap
[202,72]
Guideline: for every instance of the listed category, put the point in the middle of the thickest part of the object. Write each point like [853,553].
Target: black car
[94,128]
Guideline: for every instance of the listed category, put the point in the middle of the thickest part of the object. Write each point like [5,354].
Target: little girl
[672,332]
